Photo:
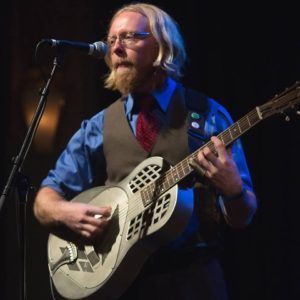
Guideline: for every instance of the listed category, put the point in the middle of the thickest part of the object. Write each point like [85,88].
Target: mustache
[123,62]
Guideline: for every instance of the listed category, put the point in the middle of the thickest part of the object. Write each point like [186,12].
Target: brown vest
[123,153]
[121,149]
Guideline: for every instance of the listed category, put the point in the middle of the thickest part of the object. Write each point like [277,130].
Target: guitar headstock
[282,103]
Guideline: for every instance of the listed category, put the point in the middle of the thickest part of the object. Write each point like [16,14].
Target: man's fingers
[220,148]
[98,216]
[196,166]
[89,230]
[95,220]
[99,212]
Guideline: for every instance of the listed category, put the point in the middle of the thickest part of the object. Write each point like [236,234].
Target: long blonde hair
[171,55]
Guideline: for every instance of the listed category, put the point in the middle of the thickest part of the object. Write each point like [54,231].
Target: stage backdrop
[241,55]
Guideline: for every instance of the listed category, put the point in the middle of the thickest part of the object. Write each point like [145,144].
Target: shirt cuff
[235,197]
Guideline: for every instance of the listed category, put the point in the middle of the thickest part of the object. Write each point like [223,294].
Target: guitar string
[227,136]
[183,168]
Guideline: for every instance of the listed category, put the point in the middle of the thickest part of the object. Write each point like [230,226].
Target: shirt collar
[162,96]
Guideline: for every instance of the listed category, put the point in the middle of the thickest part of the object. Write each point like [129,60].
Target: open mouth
[124,64]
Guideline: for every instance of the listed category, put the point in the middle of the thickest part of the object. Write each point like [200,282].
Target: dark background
[241,55]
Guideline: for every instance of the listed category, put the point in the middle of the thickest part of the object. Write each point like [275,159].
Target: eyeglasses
[127,38]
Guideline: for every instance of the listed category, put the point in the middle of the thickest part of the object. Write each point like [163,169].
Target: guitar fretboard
[176,173]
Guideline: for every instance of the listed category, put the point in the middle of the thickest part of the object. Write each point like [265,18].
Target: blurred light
[44,140]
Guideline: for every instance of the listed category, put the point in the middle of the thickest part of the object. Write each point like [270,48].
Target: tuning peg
[287,118]
[298,112]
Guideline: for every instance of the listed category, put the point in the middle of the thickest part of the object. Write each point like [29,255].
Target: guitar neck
[178,172]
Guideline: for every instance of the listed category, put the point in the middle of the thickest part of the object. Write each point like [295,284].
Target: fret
[239,127]
[235,131]
[183,168]
[253,117]
[230,132]
[228,138]
[171,178]
[211,146]
[221,137]
[190,169]
[284,101]
[172,173]
[247,117]
[257,117]
[164,186]
[245,124]
[167,177]
[185,165]
[176,177]
[180,171]
[195,154]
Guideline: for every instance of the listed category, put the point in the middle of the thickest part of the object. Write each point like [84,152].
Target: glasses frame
[127,38]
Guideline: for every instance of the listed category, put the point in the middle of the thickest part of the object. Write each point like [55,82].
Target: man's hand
[87,220]
[221,170]
[66,218]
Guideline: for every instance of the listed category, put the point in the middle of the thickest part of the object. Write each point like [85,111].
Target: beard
[130,79]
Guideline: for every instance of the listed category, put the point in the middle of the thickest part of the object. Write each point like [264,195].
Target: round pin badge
[195,125]
[195,115]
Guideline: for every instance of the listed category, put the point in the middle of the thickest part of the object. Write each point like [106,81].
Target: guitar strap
[197,104]
[206,208]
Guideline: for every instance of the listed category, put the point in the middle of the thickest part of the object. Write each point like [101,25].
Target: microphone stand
[21,182]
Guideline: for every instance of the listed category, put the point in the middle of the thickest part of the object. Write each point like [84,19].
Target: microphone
[97,49]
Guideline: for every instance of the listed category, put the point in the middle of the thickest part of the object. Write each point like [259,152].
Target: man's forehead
[128,21]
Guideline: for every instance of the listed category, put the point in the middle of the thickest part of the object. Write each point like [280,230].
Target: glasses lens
[127,38]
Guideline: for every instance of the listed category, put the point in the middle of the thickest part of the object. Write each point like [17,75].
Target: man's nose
[118,48]
[118,43]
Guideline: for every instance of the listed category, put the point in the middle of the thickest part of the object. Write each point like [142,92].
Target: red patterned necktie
[148,125]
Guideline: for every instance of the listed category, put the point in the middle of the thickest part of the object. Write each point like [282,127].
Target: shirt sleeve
[81,165]
[218,121]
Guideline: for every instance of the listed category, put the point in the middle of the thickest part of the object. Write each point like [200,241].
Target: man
[146,55]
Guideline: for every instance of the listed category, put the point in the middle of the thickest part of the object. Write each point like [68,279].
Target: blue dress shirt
[82,165]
